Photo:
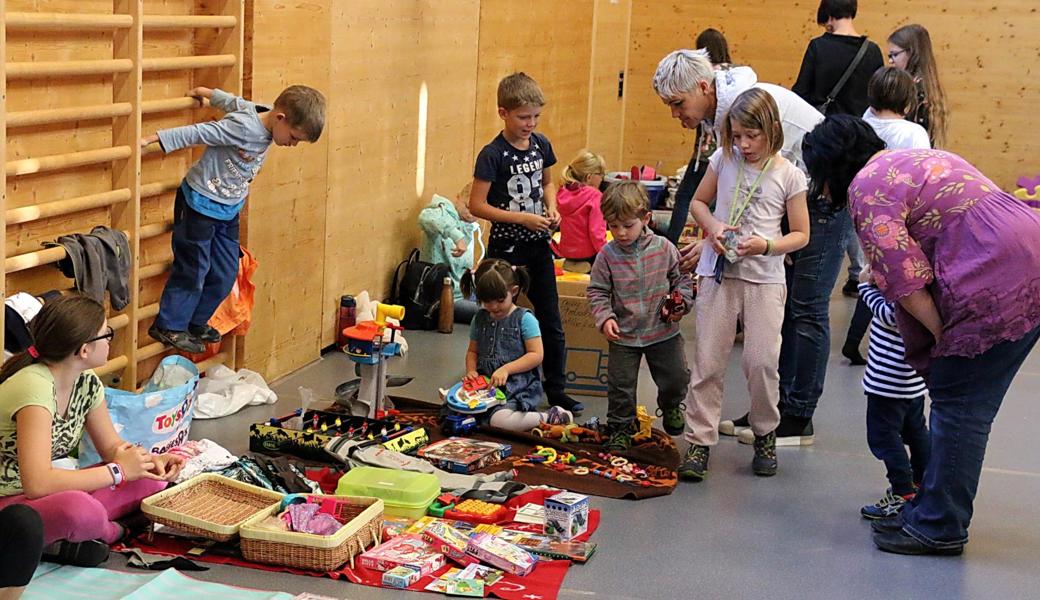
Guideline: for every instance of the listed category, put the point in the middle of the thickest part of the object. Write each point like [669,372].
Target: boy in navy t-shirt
[513,189]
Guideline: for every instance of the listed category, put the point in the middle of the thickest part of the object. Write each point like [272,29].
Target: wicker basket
[363,517]
[209,506]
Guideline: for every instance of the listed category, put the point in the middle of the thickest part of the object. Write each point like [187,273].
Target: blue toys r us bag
[159,416]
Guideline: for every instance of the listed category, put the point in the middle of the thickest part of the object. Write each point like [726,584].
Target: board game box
[464,455]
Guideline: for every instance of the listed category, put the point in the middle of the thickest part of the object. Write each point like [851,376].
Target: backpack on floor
[417,287]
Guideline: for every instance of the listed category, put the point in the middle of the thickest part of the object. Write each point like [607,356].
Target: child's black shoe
[205,334]
[181,340]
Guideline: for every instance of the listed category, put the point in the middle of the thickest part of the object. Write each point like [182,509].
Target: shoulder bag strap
[848,73]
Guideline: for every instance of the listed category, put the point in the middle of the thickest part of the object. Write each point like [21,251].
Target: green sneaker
[764,463]
[694,466]
[620,439]
[674,419]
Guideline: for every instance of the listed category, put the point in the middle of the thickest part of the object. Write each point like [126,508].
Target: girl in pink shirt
[583,232]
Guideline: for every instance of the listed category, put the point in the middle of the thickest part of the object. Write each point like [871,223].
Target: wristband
[117,474]
[769,248]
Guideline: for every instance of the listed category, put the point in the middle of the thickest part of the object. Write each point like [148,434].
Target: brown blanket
[658,456]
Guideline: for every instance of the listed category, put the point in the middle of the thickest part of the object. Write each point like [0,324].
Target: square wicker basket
[209,506]
[363,517]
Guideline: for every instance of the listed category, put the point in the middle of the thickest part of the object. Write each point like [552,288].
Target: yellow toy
[644,425]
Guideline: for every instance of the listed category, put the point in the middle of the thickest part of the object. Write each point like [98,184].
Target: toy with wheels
[474,396]
[368,348]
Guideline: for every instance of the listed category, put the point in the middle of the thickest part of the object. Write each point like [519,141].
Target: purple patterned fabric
[305,518]
[928,218]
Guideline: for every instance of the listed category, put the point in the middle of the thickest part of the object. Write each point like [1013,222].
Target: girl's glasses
[893,55]
[105,336]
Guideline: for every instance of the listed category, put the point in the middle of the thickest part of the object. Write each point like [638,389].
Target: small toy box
[403,550]
[319,426]
[500,553]
[400,577]
[448,541]
[463,455]
[461,586]
[404,493]
[566,515]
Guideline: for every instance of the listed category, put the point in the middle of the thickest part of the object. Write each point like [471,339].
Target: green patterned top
[34,386]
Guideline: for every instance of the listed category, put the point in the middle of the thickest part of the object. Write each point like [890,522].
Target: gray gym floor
[796,535]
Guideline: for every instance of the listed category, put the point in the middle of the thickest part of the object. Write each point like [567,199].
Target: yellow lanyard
[734,212]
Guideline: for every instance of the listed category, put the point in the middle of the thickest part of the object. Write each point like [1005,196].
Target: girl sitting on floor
[505,344]
[49,395]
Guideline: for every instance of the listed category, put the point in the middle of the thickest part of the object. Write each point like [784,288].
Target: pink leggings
[79,516]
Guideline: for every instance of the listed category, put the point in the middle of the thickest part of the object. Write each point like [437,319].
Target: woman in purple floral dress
[961,260]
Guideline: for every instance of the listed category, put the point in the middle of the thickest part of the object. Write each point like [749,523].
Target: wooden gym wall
[985,52]
[84,79]
[335,217]
[411,100]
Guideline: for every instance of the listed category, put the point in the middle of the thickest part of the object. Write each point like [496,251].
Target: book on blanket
[550,546]
[463,455]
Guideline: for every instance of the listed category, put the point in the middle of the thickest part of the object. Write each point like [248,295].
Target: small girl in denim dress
[505,344]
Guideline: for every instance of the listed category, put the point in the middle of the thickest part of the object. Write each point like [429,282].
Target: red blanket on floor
[542,584]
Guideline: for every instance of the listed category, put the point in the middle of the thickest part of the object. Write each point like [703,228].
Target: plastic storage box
[404,493]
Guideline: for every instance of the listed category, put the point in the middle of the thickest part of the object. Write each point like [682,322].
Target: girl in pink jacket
[582,228]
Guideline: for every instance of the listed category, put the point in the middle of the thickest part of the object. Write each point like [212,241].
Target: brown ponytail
[58,331]
[494,279]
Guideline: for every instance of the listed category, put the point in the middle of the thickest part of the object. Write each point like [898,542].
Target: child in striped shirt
[630,291]
[895,406]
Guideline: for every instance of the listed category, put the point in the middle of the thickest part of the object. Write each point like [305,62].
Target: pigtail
[521,279]
[467,285]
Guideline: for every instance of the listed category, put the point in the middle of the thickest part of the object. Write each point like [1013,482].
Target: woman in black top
[829,55]
[825,62]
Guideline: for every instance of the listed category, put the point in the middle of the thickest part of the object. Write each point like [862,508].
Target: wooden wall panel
[989,87]
[286,206]
[609,57]
[382,55]
[552,42]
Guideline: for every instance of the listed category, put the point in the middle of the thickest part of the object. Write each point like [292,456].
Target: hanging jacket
[583,232]
[98,260]
[442,228]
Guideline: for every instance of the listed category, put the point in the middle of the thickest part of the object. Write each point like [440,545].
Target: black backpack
[418,290]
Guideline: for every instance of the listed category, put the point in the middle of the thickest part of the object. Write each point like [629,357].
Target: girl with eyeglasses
[50,396]
[910,49]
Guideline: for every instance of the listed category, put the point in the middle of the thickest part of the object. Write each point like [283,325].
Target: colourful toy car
[474,396]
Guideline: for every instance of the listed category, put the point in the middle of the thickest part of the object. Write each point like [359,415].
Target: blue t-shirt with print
[516,182]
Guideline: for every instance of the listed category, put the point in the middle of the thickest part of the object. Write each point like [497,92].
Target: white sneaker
[804,438]
[735,426]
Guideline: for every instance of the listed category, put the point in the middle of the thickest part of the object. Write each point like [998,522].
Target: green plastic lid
[398,488]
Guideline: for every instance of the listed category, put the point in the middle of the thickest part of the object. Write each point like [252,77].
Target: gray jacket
[98,260]
[235,148]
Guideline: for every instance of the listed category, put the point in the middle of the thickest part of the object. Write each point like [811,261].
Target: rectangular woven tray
[363,528]
[209,506]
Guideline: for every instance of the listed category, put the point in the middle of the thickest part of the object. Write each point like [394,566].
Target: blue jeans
[806,331]
[684,196]
[855,251]
[205,265]
[966,395]
[892,425]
